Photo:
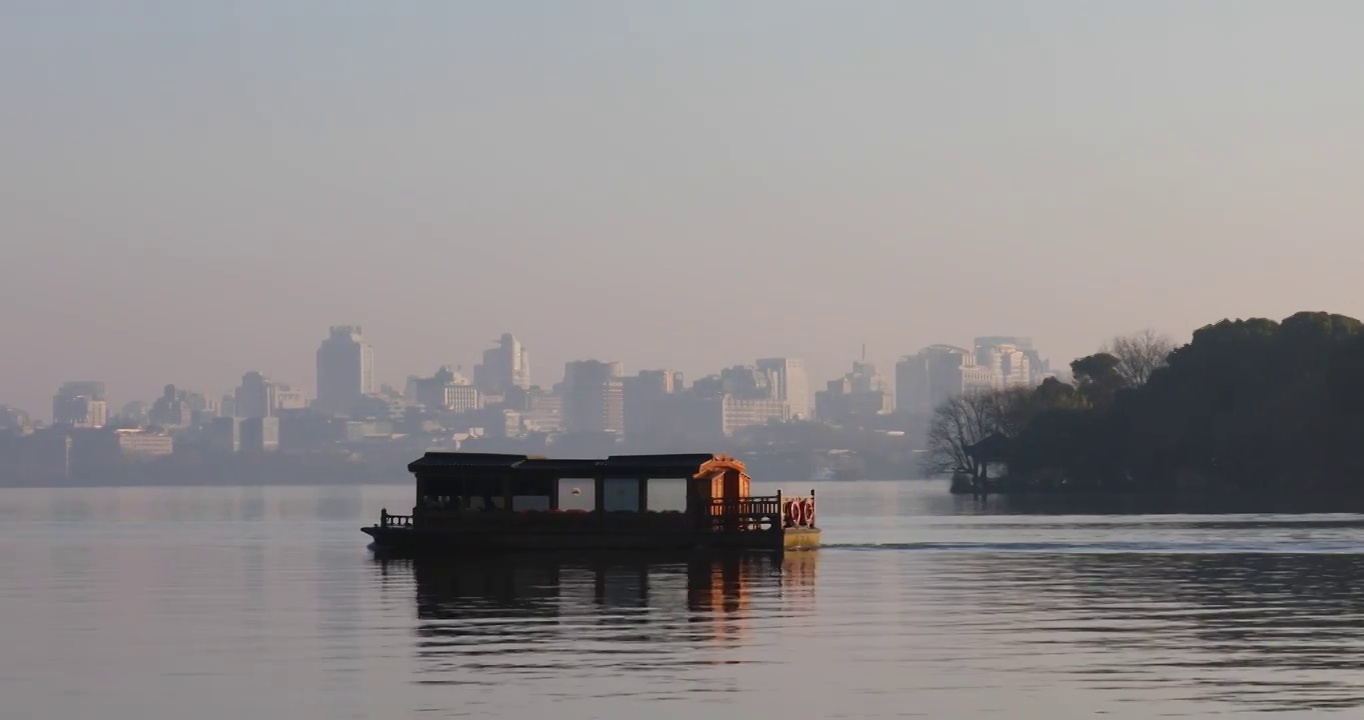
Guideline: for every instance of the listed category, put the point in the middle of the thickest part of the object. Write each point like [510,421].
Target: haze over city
[190,192]
[719,358]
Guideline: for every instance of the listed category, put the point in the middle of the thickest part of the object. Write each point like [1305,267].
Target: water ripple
[135,605]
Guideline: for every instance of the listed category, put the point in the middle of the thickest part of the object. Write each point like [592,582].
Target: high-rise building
[790,384]
[345,370]
[594,396]
[134,411]
[80,404]
[144,444]
[861,392]
[446,390]
[1008,364]
[14,420]
[543,410]
[936,373]
[255,397]
[225,435]
[259,434]
[1038,367]
[287,398]
[171,410]
[646,403]
[703,417]
[504,367]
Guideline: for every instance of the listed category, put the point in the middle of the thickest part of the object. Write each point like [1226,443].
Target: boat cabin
[505,499]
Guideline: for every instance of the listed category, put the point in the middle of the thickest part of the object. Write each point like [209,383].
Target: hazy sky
[192,190]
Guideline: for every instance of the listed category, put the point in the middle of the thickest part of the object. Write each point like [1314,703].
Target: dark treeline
[1247,406]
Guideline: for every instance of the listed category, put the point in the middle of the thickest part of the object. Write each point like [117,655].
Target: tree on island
[1139,355]
[958,424]
[1246,406]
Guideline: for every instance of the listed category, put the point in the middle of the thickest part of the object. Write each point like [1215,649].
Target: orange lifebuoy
[794,512]
[809,511]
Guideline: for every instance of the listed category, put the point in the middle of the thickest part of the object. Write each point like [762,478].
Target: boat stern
[800,538]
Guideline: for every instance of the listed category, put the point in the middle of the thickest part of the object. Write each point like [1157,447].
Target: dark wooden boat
[472,502]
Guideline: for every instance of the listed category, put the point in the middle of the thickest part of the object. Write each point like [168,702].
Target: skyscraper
[81,404]
[862,392]
[936,373]
[789,384]
[345,370]
[594,396]
[1037,367]
[645,403]
[256,397]
[504,367]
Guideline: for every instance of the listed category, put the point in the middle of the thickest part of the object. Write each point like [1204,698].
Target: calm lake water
[239,603]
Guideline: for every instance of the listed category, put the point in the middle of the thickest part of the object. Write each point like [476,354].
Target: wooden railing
[746,514]
[756,513]
[758,505]
[387,520]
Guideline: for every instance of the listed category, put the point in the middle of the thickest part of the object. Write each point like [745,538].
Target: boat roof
[671,465]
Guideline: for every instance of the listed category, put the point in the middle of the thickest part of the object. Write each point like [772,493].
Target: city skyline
[894,174]
[308,386]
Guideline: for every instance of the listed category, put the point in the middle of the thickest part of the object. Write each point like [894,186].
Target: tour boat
[485,502]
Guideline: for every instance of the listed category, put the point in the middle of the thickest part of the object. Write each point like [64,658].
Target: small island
[1254,407]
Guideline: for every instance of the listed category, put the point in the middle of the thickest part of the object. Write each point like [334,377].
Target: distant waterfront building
[47,453]
[144,444]
[80,404]
[594,396]
[699,418]
[1008,365]
[225,435]
[717,406]
[789,383]
[861,392]
[15,420]
[739,413]
[202,409]
[543,411]
[1038,367]
[259,434]
[504,367]
[501,423]
[345,370]
[645,403]
[256,396]
[287,398]
[446,390]
[171,410]
[938,372]
[134,411]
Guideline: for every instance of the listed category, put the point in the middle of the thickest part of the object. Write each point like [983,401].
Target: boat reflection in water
[497,619]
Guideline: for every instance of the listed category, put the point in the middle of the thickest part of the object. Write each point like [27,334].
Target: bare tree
[958,423]
[1139,355]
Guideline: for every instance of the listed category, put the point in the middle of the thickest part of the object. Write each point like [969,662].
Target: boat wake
[1130,547]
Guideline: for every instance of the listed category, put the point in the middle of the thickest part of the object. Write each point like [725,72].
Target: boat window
[621,494]
[437,502]
[530,502]
[667,494]
[478,502]
[585,497]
